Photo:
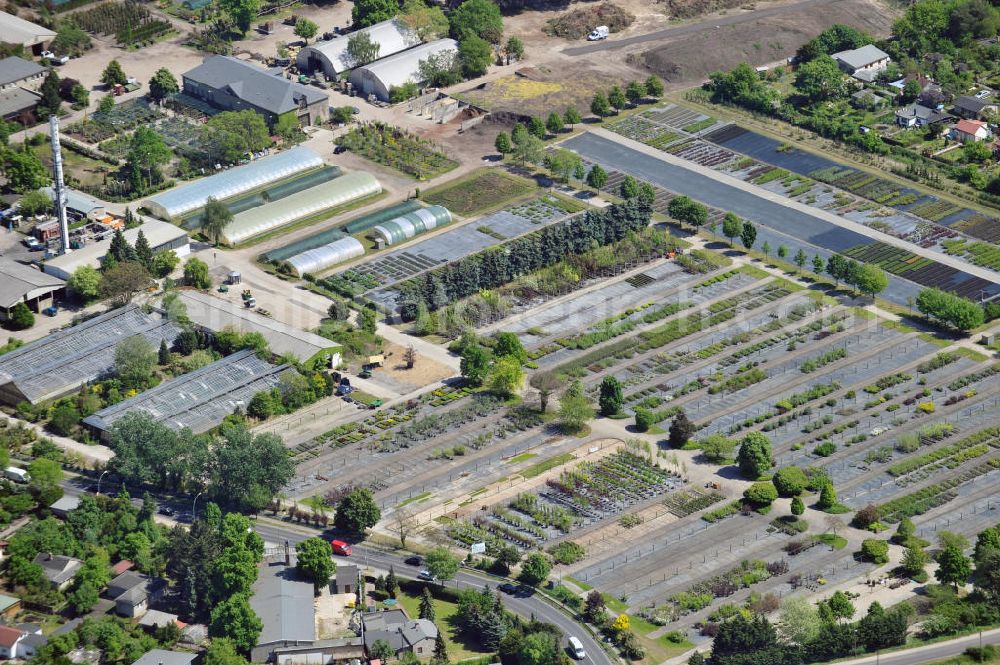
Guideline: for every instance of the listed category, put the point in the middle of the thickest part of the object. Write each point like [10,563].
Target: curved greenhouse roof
[404,67]
[344,189]
[331,56]
[413,223]
[320,258]
[232,182]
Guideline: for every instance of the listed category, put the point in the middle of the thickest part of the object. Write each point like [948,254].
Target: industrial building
[331,57]
[62,361]
[233,182]
[21,283]
[380,76]
[78,204]
[161,236]
[198,400]
[229,84]
[325,196]
[213,313]
[15,30]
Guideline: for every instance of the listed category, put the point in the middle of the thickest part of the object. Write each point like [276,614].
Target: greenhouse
[232,182]
[320,258]
[411,224]
[347,188]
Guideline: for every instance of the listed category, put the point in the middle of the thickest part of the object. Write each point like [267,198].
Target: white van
[600,32]
[576,648]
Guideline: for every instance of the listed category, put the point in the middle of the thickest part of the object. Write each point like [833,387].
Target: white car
[576,648]
[983,94]
[48,54]
[60,59]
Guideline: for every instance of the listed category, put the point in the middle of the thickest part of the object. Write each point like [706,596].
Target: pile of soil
[578,23]
[692,8]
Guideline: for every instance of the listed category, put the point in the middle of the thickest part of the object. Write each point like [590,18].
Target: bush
[644,419]
[926,407]
[825,449]
[21,317]
[567,552]
[761,494]
[790,481]
[874,550]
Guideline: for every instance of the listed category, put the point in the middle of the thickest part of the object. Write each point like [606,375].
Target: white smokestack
[59,188]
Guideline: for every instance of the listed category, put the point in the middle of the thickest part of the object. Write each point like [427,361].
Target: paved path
[692,28]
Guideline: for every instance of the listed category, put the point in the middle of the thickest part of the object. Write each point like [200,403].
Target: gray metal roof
[75,200]
[201,399]
[405,66]
[970,103]
[16,100]
[214,313]
[18,280]
[14,69]
[252,84]
[861,57]
[284,605]
[392,36]
[16,30]
[164,657]
[63,360]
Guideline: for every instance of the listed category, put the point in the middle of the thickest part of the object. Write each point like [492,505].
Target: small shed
[347,579]
[9,606]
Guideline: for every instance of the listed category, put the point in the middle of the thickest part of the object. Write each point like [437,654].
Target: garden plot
[639,129]
[675,116]
[395,266]
[586,494]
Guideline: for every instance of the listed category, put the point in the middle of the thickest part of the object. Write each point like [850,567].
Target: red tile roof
[969,126]
[9,636]
[121,567]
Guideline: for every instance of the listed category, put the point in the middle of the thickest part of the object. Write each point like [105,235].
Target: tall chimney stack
[59,188]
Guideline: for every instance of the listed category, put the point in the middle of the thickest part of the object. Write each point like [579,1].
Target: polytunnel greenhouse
[411,224]
[320,258]
[347,188]
[232,182]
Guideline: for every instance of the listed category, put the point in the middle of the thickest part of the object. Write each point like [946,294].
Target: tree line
[498,265]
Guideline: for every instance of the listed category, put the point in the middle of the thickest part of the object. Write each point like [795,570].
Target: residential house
[400,632]
[973,108]
[164,657]
[918,115]
[347,579]
[970,130]
[33,639]
[233,85]
[10,641]
[59,570]
[863,63]
[134,592]
[9,606]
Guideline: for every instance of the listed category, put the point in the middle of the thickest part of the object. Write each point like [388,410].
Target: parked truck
[600,32]
[17,474]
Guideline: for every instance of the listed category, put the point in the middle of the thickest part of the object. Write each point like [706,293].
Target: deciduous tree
[357,512]
[314,561]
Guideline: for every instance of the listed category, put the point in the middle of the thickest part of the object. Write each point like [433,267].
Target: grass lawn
[523,457]
[542,467]
[660,648]
[615,605]
[479,192]
[582,585]
[445,608]
[836,542]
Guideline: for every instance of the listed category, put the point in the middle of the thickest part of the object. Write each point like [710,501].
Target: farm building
[411,224]
[16,30]
[20,73]
[404,67]
[160,235]
[214,313]
[198,400]
[233,182]
[331,56]
[330,254]
[62,361]
[233,85]
[330,194]
[78,205]
[21,283]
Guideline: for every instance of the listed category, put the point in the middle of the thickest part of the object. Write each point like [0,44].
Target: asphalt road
[929,653]
[693,28]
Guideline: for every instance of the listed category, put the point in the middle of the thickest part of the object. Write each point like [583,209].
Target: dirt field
[685,61]
[401,380]
[540,89]
[333,615]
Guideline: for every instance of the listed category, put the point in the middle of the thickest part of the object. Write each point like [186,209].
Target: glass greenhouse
[347,188]
[232,182]
[411,224]
[321,258]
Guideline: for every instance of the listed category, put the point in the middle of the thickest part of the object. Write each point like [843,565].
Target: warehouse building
[325,196]
[15,30]
[212,313]
[233,182]
[161,236]
[62,361]
[380,76]
[229,84]
[78,204]
[198,400]
[21,283]
[331,57]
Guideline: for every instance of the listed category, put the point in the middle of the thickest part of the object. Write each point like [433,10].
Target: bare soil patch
[578,23]
[691,58]
[539,90]
[425,371]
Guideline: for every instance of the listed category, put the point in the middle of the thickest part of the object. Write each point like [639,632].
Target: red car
[340,547]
